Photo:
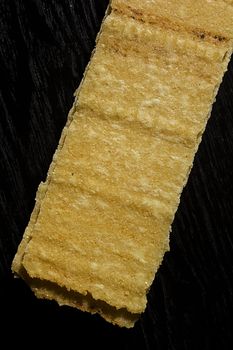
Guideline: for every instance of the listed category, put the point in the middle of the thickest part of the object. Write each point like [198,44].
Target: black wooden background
[44,48]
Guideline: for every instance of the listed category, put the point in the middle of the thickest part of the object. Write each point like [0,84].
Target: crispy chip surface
[101,223]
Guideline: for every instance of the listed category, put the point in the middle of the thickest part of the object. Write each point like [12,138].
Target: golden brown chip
[101,224]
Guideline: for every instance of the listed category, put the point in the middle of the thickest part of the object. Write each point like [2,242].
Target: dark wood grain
[44,48]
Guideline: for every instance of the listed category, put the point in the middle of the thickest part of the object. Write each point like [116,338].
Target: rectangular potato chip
[101,223]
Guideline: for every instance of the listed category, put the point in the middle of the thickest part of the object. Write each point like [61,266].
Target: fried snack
[101,223]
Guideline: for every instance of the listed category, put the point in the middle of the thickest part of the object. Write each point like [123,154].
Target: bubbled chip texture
[101,223]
